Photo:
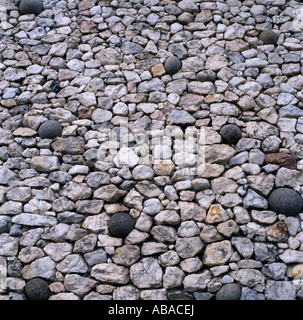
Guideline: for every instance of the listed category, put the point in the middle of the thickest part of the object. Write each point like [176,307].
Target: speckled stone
[231,133]
[37,289]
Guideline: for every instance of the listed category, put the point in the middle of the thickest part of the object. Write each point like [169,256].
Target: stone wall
[172,122]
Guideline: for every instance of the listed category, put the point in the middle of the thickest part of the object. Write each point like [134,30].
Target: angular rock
[41,268]
[8,245]
[217,253]
[146,274]
[109,193]
[280,290]
[45,163]
[76,191]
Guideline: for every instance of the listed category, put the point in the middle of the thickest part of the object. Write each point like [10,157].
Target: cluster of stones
[75,227]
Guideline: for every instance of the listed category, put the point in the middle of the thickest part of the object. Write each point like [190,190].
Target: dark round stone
[231,133]
[31,7]
[50,129]
[37,289]
[230,291]
[285,201]
[121,224]
[172,65]
[268,37]
[207,75]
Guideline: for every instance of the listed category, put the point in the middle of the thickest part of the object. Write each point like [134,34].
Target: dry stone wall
[151,149]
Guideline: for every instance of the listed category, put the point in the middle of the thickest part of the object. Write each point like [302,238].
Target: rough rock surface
[140,92]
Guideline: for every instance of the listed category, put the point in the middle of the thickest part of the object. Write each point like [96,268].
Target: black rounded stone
[207,75]
[230,291]
[31,7]
[285,201]
[268,37]
[231,133]
[37,289]
[50,129]
[121,224]
[172,65]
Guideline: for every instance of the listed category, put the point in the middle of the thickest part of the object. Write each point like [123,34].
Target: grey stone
[146,274]
[41,268]
[172,65]
[280,290]
[31,7]
[217,253]
[50,129]
[230,291]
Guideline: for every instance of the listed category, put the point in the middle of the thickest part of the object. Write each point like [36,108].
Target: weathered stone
[109,193]
[109,56]
[195,282]
[188,247]
[72,145]
[76,191]
[191,211]
[217,253]
[280,290]
[78,284]
[30,219]
[45,163]
[8,245]
[41,268]
[282,159]
[73,263]
[230,291]
[146,274]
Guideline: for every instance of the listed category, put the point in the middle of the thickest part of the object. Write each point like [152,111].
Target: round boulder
[230,291]
[31,7]
[37,289]
[268,37]
[231,133]
[285,201]
[172,65]
[50,129]
[121,224]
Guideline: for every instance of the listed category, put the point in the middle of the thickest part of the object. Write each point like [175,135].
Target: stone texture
[183,116]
